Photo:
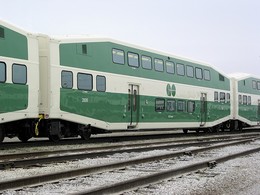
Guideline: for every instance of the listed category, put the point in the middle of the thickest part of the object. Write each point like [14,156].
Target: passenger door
[203,109]
[258,112]
[133,105]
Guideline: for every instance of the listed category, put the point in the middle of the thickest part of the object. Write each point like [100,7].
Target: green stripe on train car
[250,112]
[98,56]
[113,108]
[13,44]
[13,97]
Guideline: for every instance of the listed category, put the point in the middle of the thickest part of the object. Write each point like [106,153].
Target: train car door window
[133,105]
[203,109]
[258,111]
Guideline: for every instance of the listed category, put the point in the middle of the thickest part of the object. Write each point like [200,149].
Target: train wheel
[85,135]
[54,138]
[2,135]
[23,137]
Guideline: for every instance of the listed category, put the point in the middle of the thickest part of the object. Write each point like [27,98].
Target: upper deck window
[254,84]
[190,71]
[198,73]
[2,72]
[169,67]
[207,76]
[258,85]
[118,56]
[180,69]
[221,77]
[2,32]
[19,74]
[158,65]
[133,59]
[147,62]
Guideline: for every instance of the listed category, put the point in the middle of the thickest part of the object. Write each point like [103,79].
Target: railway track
[36,158]
[115,137]
[39,179]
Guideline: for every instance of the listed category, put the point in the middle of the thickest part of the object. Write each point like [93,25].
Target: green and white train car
[19,85]
[93,84]
[246,99]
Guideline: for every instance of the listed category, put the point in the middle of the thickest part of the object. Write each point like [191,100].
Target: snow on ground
[239,176]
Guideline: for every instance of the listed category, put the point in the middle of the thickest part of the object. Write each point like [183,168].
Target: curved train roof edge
[91,38]
[241,76]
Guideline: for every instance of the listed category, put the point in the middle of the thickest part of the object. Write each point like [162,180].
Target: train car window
[198,73]
[191,106]
[169,67]
[207,76]
[254,84]
[171,105]
[180,69]
[228,97]
[19,74]
[85,81]
[133,59]
[118,56]
[181,106]
[158,65]
[2,72]
[222,97]
[221,77]
[258,85]
[2,32]
[249,100]
[240,99]
[216,96]
[159,105]
[190,71]
[101,83]
[244,99]
[147,62]
[66,79]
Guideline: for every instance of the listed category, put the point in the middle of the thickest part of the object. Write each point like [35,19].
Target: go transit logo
[171,90]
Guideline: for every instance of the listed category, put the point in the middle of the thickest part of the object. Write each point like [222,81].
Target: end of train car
[18,82]
[246,100]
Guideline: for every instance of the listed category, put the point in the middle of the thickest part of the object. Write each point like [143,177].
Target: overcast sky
[225,33]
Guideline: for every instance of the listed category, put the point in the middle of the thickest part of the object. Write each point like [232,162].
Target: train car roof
[242,76]
[14,28]
[90,38]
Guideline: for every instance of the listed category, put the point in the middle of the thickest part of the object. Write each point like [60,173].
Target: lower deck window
[171,105]
[159,105]
[181,106]
[191,106]
[19,74]
[222,97]
[85,81]
[66,79]
[2,72]
[101,83]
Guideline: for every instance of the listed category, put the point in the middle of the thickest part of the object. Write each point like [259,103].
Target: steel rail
[88,149]
[156,177]
[61,158]
[39,179]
